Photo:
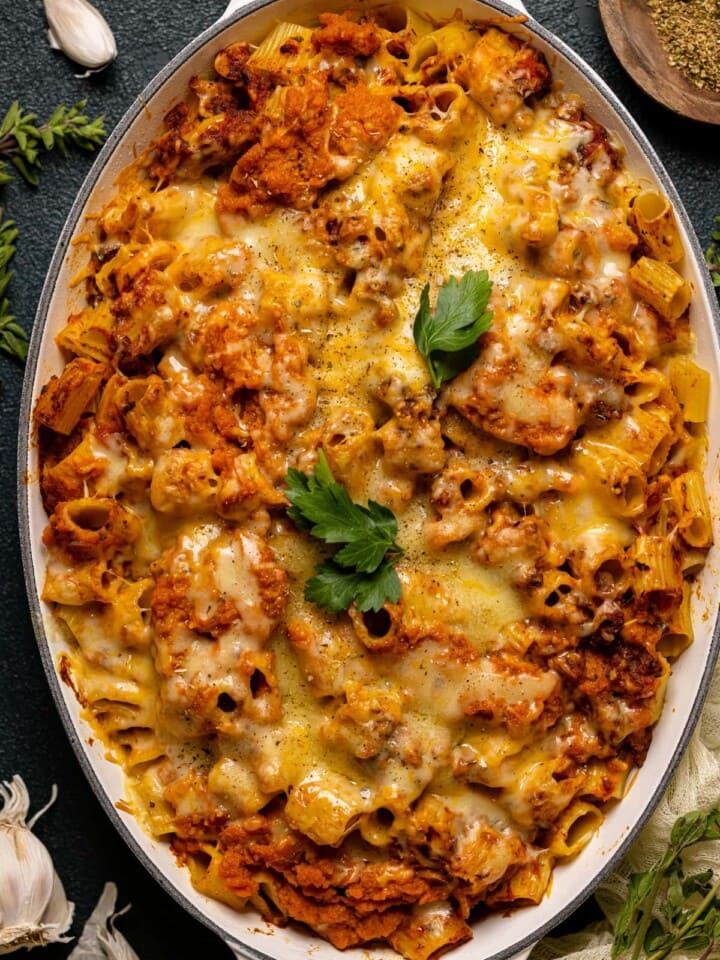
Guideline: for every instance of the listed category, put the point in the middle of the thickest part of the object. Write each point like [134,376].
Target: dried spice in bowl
[690,32]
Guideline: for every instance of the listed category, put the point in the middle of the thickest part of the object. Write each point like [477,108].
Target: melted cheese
[452,730]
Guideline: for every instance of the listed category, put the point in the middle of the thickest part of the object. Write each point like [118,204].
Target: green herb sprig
[363,569]
[13,339]
[448,338]
[22,141]
[667,911]
[713,254]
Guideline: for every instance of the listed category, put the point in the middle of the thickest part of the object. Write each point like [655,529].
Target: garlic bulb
[99,939]
[33,907]
[81,32]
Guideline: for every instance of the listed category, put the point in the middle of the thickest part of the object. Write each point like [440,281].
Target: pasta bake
[374,476]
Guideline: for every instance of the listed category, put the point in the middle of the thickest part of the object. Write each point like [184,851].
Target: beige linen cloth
[695,786]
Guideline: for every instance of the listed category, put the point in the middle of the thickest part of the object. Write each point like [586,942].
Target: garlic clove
[59,911]
[81,32]
[99,939]
[26,884]
[33,908]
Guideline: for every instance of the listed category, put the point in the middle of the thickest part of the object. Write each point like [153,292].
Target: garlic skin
[81,32]
[34,910]
[99,939]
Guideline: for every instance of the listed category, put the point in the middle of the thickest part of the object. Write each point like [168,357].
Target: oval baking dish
[497,936]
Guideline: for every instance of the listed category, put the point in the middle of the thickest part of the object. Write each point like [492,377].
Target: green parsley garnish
[362,570]
[665,910]
[448,339]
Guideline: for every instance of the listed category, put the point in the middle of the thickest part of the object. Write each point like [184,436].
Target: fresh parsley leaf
[448,338]
[332,588]
[335,588]
[384,584]
[325,508]
[367,551]
[362,570]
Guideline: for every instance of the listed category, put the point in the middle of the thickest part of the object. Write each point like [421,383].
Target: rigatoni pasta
[384,772]
[654,220]
[661,286]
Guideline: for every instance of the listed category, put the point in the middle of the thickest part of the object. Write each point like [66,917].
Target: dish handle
[241,952]
[235,5]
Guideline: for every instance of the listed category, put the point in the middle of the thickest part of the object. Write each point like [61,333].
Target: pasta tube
[661,286]
[679,633]
[287,45]
[575,828]
[692,387]
[656,568]
[653,217]
[67,397]
[694,521]
[429,928]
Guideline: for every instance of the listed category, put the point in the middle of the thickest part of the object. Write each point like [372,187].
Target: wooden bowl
[634,38]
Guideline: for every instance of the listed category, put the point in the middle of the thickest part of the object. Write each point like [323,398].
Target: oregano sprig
[13,339]
[363,569]
[22,141]
[666,910]
[713,254]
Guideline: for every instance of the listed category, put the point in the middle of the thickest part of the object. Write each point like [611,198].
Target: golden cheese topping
[251,293]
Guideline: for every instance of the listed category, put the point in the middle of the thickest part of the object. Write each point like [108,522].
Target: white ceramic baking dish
[499,936]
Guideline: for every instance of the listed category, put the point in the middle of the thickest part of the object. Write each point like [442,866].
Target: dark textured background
[84,845]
